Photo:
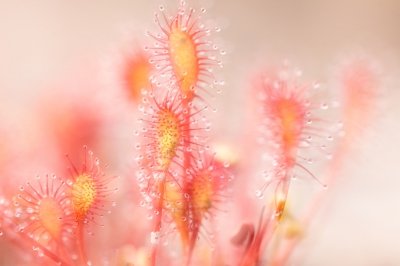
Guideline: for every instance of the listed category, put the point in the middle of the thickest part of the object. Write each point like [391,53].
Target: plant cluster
[183,196]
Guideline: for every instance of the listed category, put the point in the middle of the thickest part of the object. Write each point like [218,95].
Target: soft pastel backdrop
[42,41]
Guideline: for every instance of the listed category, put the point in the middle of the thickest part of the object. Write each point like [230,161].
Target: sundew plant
[127,162]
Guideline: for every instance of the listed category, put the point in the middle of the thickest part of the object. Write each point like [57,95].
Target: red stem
[188,251]
[63,252]
[314,206]
[81,243]
[34,243]
[157,221]
[268,228]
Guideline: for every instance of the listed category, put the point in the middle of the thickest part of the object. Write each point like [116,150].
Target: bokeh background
[42,42]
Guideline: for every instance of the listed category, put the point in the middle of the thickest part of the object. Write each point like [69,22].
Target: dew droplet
[154,237]
[259,194]
[316,85]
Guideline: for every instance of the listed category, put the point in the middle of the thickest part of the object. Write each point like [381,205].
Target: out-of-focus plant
[186,185]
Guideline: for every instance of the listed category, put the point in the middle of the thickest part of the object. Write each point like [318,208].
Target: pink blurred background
[42,41]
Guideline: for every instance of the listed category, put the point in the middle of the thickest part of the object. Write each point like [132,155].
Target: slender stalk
[34,243]
[316,202]
[252,255]
[268,228]
[81,243]
[45,251]
[157,221]
[192,243]
[188,251]
[279,209]
[63,252]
